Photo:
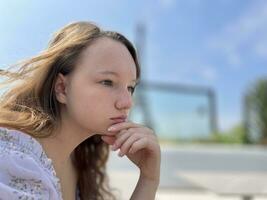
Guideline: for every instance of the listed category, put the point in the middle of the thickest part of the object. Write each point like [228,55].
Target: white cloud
[177,69]
[209,74]
[249,30]
[261,49]
[166,3]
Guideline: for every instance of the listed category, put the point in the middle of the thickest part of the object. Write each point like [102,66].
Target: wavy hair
[29,102]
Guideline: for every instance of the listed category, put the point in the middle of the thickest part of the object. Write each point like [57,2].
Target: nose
[124,100]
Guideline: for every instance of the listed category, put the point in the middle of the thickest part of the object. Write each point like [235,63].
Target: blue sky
[221,44]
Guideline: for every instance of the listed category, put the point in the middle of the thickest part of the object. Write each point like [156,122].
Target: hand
[139,144]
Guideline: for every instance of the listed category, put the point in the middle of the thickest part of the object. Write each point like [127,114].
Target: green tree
[256,104]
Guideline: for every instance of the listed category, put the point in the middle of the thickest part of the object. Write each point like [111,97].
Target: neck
[60,146]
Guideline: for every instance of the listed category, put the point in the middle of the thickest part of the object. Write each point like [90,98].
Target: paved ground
[125,183]
[124,175]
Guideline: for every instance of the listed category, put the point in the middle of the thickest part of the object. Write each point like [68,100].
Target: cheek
[86,103]
[91,110]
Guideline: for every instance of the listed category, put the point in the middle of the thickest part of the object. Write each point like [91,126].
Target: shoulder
[22,173]
[21,177]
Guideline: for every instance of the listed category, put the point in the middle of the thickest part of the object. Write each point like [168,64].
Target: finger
[108,139]
[115,133]
[120,126]
[120,133]
[128,143]
[120,140]
[138,145]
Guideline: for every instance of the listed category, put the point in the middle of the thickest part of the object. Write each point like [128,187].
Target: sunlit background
[203,88]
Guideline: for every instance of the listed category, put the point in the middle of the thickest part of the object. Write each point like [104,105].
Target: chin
[100,127]
[102,130]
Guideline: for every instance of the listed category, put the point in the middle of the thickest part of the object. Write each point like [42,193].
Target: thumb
[108,139]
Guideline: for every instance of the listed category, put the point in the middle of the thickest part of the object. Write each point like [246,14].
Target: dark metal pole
[213,112]
[246,118]
[141,95]
[247,197]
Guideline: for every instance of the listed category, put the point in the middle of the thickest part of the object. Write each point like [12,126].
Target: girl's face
[100,87]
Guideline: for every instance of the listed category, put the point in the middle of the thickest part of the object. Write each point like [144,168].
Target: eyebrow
[114,74]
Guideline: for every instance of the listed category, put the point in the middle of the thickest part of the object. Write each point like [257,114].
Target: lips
[119,119]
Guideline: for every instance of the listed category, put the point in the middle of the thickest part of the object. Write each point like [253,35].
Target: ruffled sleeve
[22,178]
[25,171]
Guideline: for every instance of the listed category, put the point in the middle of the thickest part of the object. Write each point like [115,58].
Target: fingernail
[111,128]
[113,147]
[120,154]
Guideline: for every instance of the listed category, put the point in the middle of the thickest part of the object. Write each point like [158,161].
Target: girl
[64,108]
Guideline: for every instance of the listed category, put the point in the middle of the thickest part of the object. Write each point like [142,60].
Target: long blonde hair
[30,104]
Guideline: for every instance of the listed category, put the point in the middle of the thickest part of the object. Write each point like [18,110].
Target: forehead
[107,54]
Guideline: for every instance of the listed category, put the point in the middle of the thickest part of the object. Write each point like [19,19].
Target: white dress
[26,173]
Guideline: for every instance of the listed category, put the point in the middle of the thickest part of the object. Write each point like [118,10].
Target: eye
[107,82]
[131,89]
